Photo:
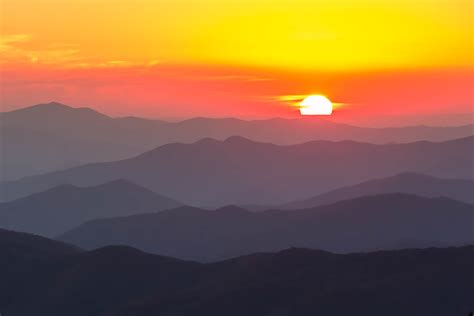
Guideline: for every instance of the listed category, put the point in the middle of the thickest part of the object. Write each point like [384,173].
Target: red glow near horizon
[184,91]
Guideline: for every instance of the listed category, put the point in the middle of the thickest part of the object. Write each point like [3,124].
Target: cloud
[7,42]
[16,48]
[231,77]
[154,62]
[21,49]
[289,98]
[296,99]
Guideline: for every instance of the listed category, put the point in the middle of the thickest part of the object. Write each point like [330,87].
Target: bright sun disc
[316,105]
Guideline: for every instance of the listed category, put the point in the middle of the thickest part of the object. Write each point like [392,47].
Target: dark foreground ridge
[45,277]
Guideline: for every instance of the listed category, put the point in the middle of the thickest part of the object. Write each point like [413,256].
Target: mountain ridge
[62,106]
[49,137]
[405,182]
[359,224]
[260,173]
[60,208]
[123,281]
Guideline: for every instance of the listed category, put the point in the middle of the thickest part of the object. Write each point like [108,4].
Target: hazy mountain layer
[410,183]
[368,223]
[61,208]
[239,171]
[53,136]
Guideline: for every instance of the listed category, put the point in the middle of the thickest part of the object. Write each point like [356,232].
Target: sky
[381,61]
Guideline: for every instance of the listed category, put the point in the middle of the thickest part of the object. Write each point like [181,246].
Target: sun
[316,105]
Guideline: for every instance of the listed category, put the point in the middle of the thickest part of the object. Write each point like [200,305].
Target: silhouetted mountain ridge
[54,136]
[122,281]
[53,111]
[360,224]
[14,242]
[243,172]
[61,208]
[406,182]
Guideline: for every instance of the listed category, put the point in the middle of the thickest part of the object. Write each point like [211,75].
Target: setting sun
[316,105]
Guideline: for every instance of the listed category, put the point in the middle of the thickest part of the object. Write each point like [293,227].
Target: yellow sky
[288,34]
[184,58]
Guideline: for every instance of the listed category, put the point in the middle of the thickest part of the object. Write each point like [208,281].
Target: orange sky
[186,58]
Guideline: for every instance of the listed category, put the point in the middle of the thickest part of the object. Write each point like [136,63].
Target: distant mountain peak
[239,140]
[113,184]
[50,106]
[118,183]
[201,119]
[57,108]
[53,104]
[228,140]
[207,141]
